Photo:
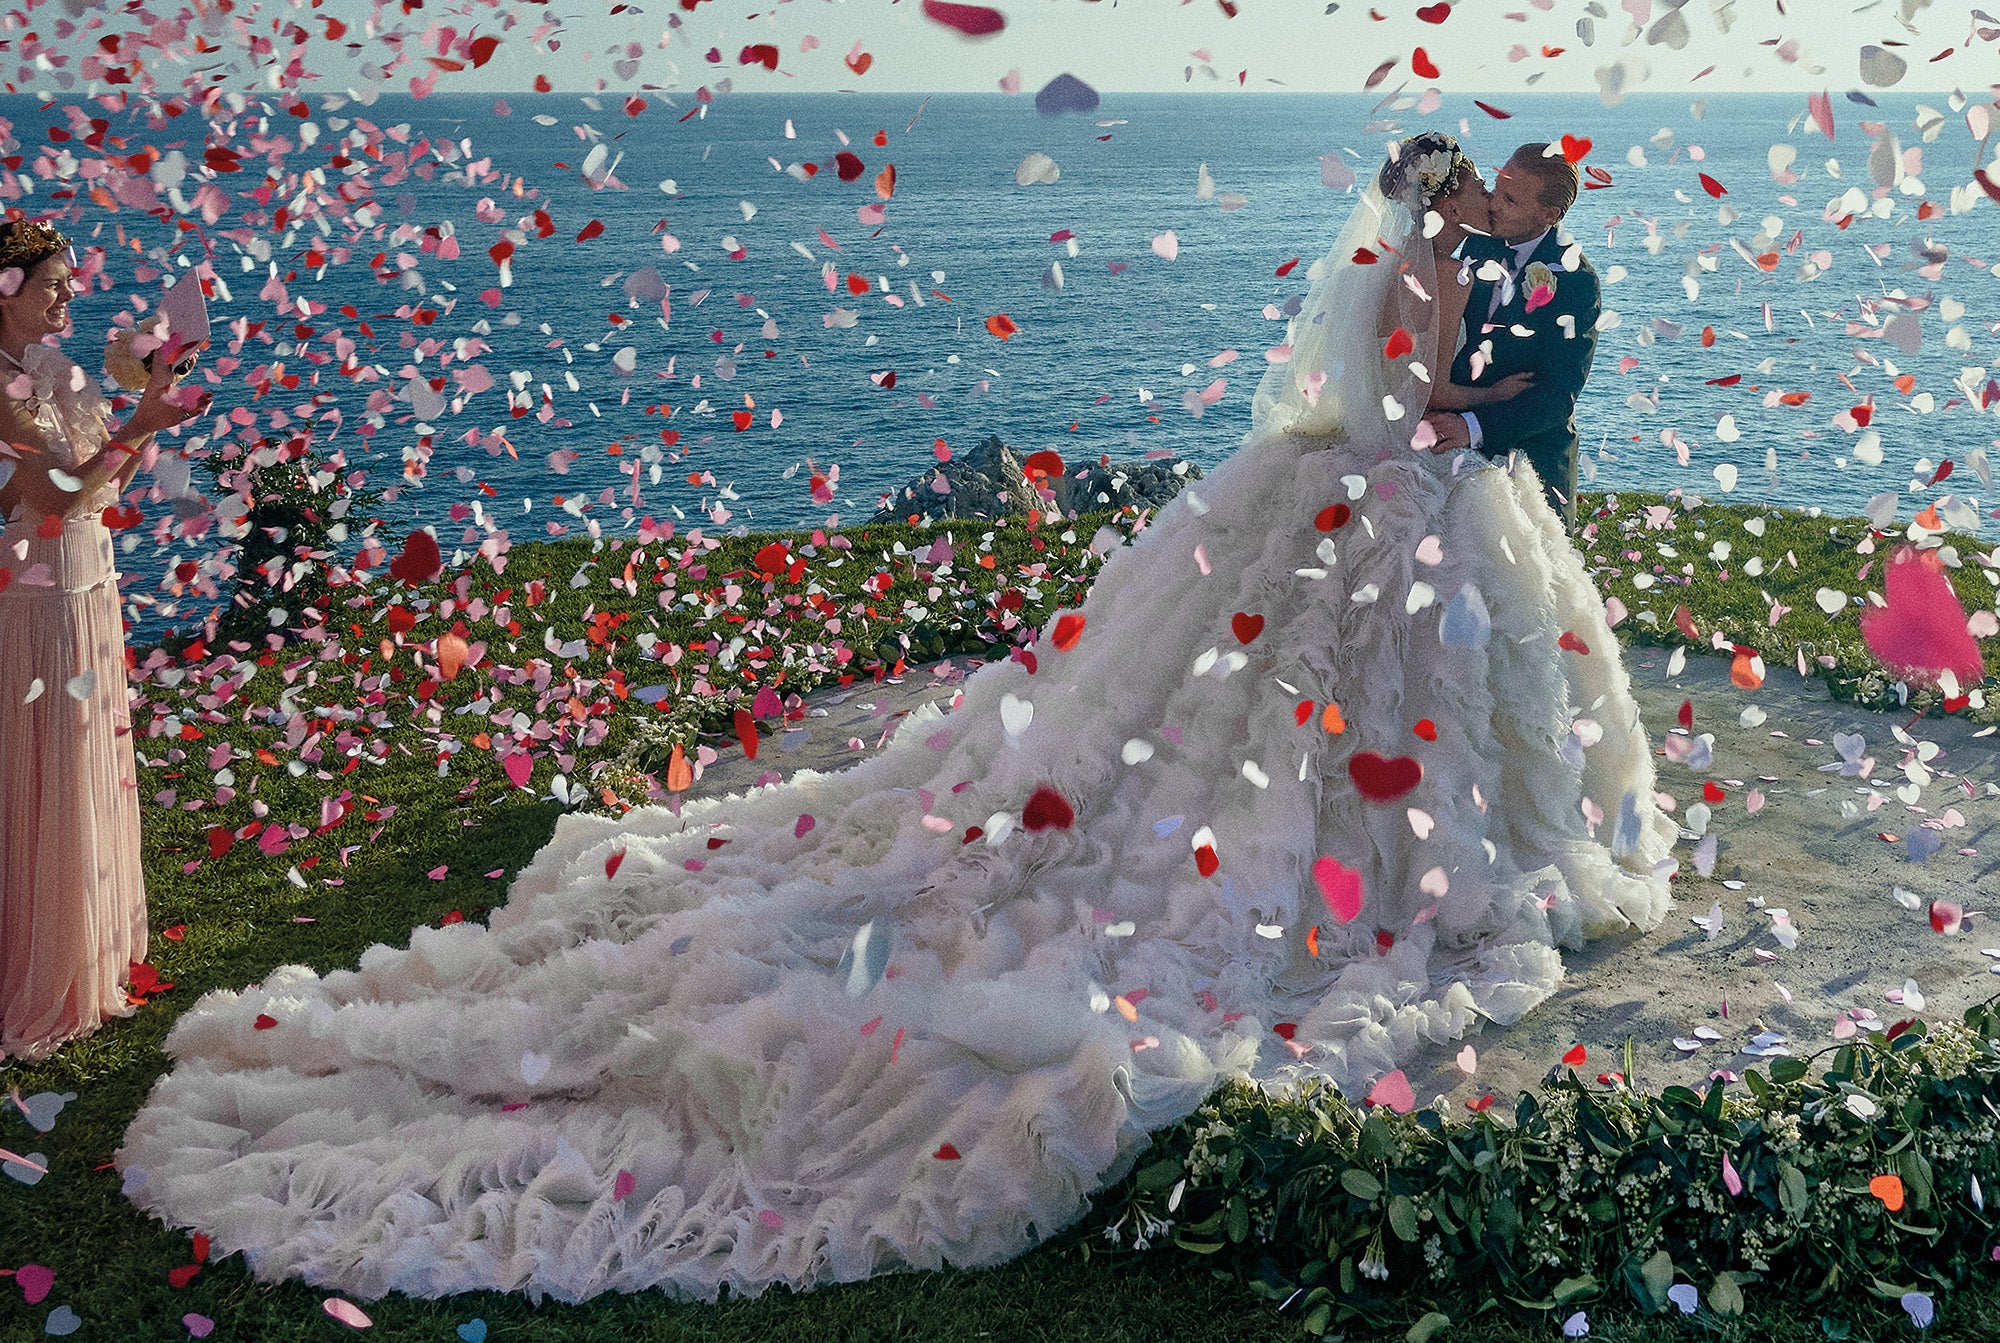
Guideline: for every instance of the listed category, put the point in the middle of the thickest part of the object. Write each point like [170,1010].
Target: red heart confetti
[1047,809]
[1069,628]
[1383,779]
[1246,626]
[1575,1056]
[1048,462]
[972,20]
[263,1022]
[946,1152]
[420,561]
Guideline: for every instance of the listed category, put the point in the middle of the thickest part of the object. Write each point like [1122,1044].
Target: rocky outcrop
[990,482]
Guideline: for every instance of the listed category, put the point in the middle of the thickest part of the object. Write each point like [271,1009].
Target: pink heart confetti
[34,1280]
[1339,887]
[346,1312]
[1393,1090]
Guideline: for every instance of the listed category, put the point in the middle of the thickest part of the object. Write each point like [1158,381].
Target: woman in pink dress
[72,896]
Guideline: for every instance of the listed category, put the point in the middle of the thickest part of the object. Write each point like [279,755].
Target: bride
[1332,758]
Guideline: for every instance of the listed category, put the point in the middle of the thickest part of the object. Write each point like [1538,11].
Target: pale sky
[1304,45]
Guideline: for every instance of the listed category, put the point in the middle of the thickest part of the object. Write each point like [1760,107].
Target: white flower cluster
[1201,1161]
[1434,170]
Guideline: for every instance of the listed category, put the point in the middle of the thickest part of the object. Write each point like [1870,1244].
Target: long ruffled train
[652,1072]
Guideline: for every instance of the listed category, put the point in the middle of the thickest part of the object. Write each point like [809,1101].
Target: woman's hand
[165,402]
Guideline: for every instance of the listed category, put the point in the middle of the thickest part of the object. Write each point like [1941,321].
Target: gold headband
[30,242]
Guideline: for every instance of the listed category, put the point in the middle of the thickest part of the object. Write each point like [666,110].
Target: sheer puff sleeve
[64,403]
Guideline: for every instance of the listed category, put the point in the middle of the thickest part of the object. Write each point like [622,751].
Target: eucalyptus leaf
[1361,1184]
[1239,1219]
[1569,1289]
[1658,1273]
[1403,1218]
[1428,1327]
[1792,1193]
[1917,1184]
[1725,1297]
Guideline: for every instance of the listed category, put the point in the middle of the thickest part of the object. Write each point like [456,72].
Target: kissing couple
[1334,756]
[1517,313]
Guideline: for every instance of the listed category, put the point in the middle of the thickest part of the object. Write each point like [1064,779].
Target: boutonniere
[1540,283]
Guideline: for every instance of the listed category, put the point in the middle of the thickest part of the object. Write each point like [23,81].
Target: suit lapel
[1480,296]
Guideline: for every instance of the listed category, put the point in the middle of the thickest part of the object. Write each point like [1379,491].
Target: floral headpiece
[1432,160]
[29,242]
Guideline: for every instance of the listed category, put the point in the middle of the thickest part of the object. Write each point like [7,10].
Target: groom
[1533,307]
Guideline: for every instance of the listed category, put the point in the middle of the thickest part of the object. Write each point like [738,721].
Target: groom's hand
[1450,428]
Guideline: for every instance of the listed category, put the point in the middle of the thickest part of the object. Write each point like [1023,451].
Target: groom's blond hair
[1555,176]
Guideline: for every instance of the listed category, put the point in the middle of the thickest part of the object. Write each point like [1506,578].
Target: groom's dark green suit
[1540,423]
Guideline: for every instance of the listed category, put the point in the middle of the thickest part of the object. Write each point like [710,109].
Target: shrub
[1870,1175]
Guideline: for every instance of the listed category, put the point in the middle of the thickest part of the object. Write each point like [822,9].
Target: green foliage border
[1584,1195]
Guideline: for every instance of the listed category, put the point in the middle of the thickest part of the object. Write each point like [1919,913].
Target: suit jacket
[1540,424]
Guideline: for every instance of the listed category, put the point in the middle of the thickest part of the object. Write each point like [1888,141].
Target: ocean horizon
[1142,263]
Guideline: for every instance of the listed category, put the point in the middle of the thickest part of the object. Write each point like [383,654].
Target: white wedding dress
[664,1064]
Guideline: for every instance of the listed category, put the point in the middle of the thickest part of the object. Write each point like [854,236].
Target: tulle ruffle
[652,1072]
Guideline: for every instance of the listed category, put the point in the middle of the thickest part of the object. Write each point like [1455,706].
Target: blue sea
[1110,336]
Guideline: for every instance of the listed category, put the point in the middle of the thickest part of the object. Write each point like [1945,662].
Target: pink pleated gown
[72,894]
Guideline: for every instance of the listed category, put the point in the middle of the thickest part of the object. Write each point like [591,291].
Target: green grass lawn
[420,840]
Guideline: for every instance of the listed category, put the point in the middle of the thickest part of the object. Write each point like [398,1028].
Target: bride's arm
[1453,396]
